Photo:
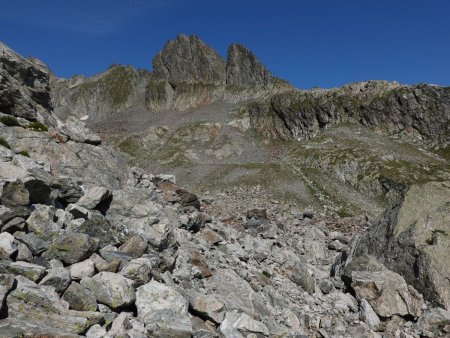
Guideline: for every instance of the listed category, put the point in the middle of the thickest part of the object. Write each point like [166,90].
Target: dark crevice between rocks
[201,315]
[103,206]
[40,192]
[4,305]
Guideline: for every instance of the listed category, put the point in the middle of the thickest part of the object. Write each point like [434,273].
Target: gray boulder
[93,197]
[31,271]
[163,310]
[412,239]
[80,298]
[386,291]
[7,246]
[111,289]
[59,278]
[31,302]
[71,248]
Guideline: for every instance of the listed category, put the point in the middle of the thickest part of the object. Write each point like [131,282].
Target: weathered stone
[59,278]
[96,331]
[385,290]
[41,221]
[208,307]
[82,269]
[6,284]
[368,315]
[31,271]
[7,246]
[78,211]
[139,270]
[80,298]
[230,289]
[71,248]
[163,309]
[111,289]
[102,229]
[16,224]
[135,246]
[412,239]
[23,253]
[40,303]
[238,324]
[36,244]
[93,197]
[102,265]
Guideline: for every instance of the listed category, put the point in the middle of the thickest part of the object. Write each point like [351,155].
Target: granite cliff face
[420,112]
[189,59]
[92,247]
[187,73]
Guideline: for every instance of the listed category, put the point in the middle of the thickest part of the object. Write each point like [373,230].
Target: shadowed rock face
[24,87]
[420,111]
[244,69]
[189,59]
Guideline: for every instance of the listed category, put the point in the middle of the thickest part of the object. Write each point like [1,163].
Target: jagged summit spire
[244,68]
[189,59]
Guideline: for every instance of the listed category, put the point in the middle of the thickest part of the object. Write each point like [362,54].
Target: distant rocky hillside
[187,73]
[417,113]
[91,247]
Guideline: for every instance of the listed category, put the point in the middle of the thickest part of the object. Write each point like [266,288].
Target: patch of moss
[24,153]
[267,274]
[37,126]
[4,143]
[9,121]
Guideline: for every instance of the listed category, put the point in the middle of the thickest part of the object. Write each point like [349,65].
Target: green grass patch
[4,143]
[9,121]
[37,126]
[24,153]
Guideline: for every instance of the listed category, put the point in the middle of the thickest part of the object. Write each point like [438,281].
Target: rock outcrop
[244,69]
[412,239]
[189,59]
[419,112]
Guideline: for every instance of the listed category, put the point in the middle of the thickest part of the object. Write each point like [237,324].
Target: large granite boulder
[413,239]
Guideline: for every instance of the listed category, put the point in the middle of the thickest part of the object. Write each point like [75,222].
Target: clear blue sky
[309,43]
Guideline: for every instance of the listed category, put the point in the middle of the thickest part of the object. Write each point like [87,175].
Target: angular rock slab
[111,289]
[31,302]
[385,290]
[71,248]
[163,310]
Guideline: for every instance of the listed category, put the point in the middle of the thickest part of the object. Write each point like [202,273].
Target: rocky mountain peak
[189,59]
[244,68]
[24,87]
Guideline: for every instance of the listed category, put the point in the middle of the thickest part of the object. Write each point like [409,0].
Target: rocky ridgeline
[415,113]
[187,73]
[91,247]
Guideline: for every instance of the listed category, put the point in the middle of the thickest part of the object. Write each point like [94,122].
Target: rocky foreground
[91,247]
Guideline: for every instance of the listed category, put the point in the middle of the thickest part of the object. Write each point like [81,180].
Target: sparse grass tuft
[4,143]
[24,153]
[9,121]
[37,126]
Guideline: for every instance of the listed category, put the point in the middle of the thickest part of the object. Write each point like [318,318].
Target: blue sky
[309,43]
